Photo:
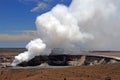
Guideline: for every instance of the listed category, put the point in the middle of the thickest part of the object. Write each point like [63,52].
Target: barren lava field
[95,72]
[99,72]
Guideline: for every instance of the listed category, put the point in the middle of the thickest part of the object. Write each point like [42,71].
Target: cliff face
[69,60]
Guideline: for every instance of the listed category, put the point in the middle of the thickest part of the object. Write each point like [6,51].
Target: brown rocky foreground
[103,71]
[95,72]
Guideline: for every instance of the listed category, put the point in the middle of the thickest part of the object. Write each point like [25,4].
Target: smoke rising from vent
[34,47]
[85,24]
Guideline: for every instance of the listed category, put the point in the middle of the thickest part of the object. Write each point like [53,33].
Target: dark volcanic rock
[69,60]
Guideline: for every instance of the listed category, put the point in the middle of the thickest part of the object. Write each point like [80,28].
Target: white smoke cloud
[101,19]
[35,48]
[59,28]
[88,24]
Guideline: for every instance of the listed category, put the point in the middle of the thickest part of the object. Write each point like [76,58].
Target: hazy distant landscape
[16,51]
[11,51]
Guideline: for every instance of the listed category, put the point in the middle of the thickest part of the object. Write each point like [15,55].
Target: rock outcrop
[70,60]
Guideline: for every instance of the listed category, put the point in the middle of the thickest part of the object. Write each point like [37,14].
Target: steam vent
[58,59]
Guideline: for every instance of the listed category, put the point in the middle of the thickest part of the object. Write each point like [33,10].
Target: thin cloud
[25,35]
[40,6]
[23,1]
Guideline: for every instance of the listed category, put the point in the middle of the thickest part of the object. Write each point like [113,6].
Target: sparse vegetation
[108,78]
[1,72]
[65,79]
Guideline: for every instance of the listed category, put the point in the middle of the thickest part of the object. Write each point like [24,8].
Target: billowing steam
[35,48]
[85,24]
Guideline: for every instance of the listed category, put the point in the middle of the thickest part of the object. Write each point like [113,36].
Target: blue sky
[17,19]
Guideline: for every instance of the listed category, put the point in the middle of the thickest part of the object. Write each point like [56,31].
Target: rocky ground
[79,72]
[96,72]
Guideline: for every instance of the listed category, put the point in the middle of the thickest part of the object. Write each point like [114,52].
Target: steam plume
[87,24]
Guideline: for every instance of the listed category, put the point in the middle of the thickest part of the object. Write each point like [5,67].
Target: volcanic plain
[93,72]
